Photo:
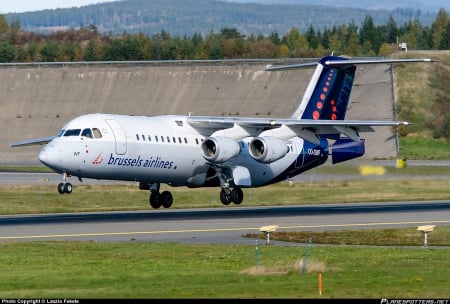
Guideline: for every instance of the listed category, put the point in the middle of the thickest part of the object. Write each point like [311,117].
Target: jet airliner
[230,153]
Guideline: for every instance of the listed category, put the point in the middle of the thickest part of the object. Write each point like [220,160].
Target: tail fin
[328,92]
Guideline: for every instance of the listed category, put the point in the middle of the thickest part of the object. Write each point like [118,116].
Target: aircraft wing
[237,127]
[32,142]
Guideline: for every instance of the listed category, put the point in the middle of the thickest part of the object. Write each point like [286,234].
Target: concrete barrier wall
[38,100]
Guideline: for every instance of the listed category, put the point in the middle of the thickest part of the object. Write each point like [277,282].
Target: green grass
[159,270]
[90,198]
[414,147]
[409,236]
[37,169]
[397,266]
[423,99]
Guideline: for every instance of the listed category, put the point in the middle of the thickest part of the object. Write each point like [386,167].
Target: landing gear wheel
[64,188]
[68,188]
[166,199]
[61,188]
[155,201]
[225,197]
[237,196]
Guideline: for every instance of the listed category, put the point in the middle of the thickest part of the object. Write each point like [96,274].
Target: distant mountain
[423,5]
[186,17]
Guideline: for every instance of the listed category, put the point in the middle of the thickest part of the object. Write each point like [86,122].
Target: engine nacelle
[219,149]
[267,149]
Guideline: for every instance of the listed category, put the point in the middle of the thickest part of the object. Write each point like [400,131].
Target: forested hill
[186,17]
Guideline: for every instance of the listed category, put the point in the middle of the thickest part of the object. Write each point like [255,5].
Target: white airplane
[214,151]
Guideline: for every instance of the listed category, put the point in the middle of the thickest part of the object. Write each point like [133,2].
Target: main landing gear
[227,194]
[231,195]
[157,199]
[165,199]
[64,187]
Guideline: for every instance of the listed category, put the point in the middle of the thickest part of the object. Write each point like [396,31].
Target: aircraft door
[119,136]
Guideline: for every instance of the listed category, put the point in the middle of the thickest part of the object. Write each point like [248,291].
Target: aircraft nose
[49,155]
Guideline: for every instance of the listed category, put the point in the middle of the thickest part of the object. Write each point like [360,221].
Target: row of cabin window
[174,140]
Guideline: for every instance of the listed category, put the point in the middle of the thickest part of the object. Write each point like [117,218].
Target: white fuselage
[160,149]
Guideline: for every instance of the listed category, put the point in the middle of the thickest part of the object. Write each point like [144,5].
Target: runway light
[267,230]
[425,229]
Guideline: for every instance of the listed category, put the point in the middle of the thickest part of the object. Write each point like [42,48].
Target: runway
[220,225]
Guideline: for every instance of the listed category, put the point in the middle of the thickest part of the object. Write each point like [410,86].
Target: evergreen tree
[391,31]
[131,48]
[352,47]
[368,37]
[49,51]
[439,27]
[275,38]
[311,37]
[325,38]
[90,53]
[445,40]
[7,52]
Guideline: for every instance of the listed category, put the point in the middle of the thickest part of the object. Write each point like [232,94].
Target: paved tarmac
[228,225]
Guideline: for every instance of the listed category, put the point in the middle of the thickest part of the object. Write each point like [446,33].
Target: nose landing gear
[64,187]
[157,199]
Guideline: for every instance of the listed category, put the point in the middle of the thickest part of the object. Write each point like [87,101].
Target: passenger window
[97,133]
[87,133]
[162,138]
[72,132]
[143,137]
[149,138]
[137,136]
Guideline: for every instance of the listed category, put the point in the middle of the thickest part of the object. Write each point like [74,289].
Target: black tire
[155,201]
[68,188]
[166,199]
[61,188]
[237,196]
[225,198]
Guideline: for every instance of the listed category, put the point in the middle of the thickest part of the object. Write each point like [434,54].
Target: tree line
[87,44]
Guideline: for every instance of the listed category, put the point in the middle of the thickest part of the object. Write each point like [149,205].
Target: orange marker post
[320,283]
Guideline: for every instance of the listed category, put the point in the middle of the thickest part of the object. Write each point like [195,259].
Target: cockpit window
[87,133]
[97,133]
[72,132]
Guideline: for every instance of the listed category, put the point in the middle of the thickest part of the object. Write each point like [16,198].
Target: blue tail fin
[328,92]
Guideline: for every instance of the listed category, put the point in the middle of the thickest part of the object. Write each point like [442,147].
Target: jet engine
[267,149]
[219,149]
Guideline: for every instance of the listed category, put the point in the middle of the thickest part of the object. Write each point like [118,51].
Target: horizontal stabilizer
[344,62]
